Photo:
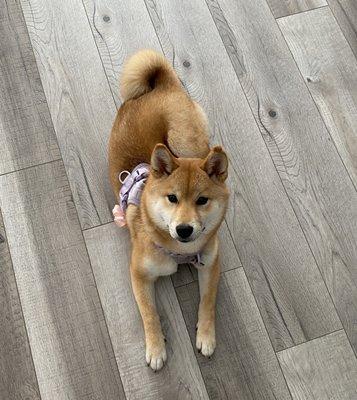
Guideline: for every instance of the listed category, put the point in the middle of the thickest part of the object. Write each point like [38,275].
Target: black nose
[184,231]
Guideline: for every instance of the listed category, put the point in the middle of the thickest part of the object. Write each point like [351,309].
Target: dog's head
[187,197]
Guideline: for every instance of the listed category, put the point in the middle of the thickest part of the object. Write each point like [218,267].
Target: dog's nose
[184,230]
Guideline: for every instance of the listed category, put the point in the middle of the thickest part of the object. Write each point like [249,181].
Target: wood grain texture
[330,69]
[69,340]
[229,259]
[323,369]
[120,28]
[26,133]
[244,365]
[17,373]
[315,179]
[79,98]
[286,283]
[109,250]
[345,12]
[282,8]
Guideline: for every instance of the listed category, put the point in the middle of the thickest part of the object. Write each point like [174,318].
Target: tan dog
[184,199]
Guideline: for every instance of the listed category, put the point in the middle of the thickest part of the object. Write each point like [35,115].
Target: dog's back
[156,109]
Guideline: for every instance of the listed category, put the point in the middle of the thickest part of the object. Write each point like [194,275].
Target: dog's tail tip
[144,71]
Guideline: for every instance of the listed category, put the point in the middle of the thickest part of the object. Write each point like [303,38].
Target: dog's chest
[160,266]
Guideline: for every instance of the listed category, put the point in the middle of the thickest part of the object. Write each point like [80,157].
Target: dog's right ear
[216,164]
[162,161]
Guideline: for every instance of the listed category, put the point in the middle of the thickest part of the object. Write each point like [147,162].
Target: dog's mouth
[185,240]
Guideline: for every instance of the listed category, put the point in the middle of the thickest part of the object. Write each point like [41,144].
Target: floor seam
[313,339]
[30,166]
[298,12]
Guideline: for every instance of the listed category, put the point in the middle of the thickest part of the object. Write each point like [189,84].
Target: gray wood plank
[69,340]
[184,275]
[244,365]
[345,12]
[120,28]
[315,179]
[282,8]
[17,373]
[109,250]
[323,369]
[229,259]
[79,99]
[285,280]
[26,133]
[330,69]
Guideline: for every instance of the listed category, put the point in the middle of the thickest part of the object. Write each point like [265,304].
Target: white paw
[156,355]
[206,341]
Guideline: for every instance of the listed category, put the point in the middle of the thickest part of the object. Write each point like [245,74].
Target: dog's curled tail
[143,72]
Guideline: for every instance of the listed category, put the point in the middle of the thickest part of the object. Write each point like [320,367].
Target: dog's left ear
[216,164]
[162,161]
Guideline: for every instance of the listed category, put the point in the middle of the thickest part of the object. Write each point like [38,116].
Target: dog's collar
[133,185]
[193,258]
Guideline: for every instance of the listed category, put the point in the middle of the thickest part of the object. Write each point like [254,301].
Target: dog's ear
[162,161]
[216,164]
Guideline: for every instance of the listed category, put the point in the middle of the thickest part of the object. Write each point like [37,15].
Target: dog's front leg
[144,292]
[208,277]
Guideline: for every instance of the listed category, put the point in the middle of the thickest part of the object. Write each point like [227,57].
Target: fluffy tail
[143,72]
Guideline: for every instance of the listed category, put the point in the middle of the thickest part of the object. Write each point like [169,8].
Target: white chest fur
[160,266]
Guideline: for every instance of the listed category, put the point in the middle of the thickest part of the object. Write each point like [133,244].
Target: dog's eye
[201,201]
[172,198]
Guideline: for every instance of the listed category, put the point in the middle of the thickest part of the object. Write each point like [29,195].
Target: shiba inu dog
[174,200]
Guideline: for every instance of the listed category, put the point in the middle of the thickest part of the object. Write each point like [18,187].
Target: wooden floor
[278,80]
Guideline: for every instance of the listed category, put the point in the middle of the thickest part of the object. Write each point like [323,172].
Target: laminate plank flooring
[323,369]
[330,70]
[17,373]
[69,325]
[71,350]
[280,268]
[26,133]
[314,177]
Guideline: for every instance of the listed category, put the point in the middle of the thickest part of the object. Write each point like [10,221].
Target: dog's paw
[206,341]
[156,355]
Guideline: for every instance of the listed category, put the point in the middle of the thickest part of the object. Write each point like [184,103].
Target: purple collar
[133,185]
[193,258]
[130,193]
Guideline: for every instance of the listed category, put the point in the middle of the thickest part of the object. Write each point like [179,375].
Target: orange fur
[159,124]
